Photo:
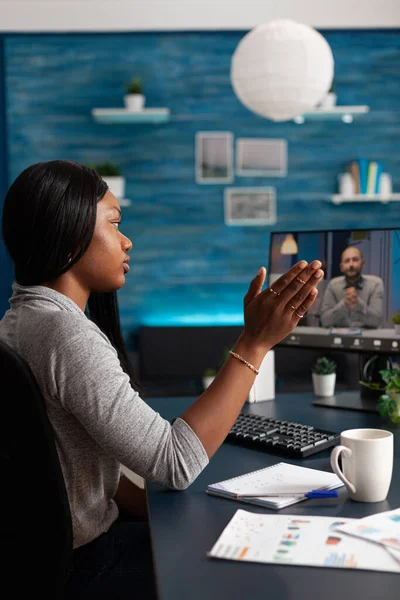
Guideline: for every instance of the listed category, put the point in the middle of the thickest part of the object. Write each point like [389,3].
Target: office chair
[35,517]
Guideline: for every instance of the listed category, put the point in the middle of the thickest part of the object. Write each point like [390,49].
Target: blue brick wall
[187,266]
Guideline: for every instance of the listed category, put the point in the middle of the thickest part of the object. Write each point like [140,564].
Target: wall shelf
[339,198]
[123,115]
[338,113]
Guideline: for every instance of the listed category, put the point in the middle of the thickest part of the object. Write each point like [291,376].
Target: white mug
[367,461]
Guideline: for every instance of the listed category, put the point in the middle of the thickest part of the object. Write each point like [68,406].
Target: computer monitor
[358,295]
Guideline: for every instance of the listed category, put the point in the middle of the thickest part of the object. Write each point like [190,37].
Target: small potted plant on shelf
[324,376]
[389,402]
[134,98]
[395,319]
[113,177]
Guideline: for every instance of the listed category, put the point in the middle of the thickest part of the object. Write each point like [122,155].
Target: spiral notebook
[280,478]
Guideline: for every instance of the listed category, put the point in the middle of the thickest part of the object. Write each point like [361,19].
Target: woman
[61,227]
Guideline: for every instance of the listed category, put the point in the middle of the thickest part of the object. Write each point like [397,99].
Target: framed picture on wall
[250,206]
[261,157]
[214,157]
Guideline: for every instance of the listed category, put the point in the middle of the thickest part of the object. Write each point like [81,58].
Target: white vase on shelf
[346,184]
[385,184]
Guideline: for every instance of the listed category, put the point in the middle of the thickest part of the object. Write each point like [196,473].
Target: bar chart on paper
[381,528]
[294,540]
[340,560]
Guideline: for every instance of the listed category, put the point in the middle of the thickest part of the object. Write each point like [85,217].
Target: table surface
[185,525]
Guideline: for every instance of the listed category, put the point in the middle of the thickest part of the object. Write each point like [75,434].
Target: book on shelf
[355,173]
[371,177]
[366,175]
[378,176]
[363,174]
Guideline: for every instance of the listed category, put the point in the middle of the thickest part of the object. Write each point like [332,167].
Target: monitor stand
[366,398]
[348,400]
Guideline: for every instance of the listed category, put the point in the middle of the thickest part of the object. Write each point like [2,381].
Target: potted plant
[134,98]
[208,377]
[113,177]
[210,373]
[389,402]
[324,376]
[395,319]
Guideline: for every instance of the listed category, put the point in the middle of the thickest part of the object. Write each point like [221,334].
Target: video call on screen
[361,285]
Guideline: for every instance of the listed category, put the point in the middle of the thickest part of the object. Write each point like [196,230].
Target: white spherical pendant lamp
[282,69]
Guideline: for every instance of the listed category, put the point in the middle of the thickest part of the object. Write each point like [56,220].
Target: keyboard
[295,440]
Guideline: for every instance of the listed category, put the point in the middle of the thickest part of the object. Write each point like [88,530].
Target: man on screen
[353,299]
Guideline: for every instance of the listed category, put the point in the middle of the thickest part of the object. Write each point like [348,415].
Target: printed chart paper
[382,528]
[297,540]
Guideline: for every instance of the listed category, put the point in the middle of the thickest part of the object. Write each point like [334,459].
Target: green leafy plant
[106,169]
[210,373]
[388,404]
[135,86]
[324,366]
[392,379]
[395,318]
[372,385]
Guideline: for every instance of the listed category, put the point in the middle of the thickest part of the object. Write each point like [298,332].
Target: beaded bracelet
[243,360]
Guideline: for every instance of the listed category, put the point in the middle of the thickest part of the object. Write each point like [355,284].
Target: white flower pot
[329,101]
[324,385]
[116,185]
[397,328]
[134,102]
[207,380]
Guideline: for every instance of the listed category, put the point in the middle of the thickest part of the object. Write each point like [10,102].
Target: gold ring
[301,281]
[291,306]
[273,291]
[300,316]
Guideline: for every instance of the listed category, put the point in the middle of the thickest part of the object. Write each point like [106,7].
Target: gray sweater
[100,422]
[368,312]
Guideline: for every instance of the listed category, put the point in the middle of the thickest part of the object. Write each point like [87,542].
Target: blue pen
[322,494]
[312,494]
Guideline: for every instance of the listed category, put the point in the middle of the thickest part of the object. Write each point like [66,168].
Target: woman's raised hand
[270,315]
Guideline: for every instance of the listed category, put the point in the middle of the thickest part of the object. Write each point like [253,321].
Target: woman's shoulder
[46,331]
[66,326]
[64,340]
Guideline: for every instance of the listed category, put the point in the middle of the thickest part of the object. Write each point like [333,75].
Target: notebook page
[279,478]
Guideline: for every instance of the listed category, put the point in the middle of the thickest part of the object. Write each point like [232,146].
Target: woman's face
[105,263]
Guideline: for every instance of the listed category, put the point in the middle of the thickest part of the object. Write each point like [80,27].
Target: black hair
[49,216]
